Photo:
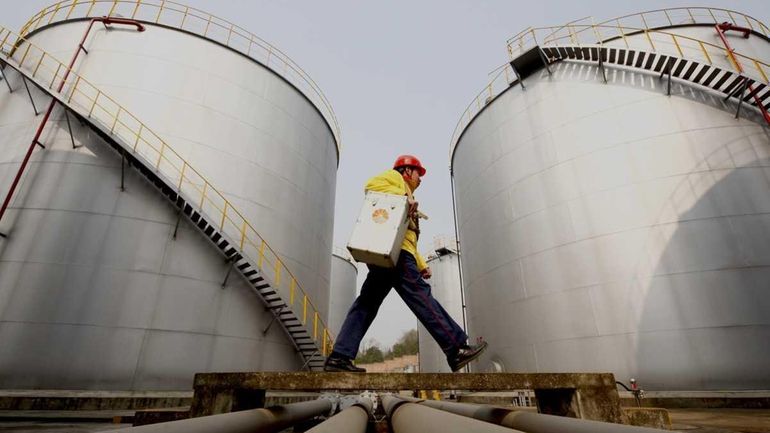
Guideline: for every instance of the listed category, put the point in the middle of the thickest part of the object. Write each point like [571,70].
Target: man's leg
[416,293]
[363,311]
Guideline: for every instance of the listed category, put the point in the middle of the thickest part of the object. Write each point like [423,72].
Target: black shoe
[465,355]
[337,363]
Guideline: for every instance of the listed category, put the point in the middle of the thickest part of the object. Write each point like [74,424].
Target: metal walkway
[185,187]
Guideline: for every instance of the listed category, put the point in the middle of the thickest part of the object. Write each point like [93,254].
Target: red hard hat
[409,161]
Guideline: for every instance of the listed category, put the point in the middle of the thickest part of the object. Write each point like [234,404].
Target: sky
[398,75]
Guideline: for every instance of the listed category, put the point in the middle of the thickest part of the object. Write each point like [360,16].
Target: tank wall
[343,290]
[95,293]
[254,136]
[445,283]
[608,227]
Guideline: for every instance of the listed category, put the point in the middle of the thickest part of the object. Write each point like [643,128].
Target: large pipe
[354,419]
[532,422]
[408,417]
[268,420]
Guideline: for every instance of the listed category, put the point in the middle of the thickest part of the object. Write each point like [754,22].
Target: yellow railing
[680,46]
[176,15]
[578,33]
[138,139]
[583,31]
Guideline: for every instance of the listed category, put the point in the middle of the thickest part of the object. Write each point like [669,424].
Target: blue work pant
[415,292]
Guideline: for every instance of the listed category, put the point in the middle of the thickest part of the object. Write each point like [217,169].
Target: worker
[408,278]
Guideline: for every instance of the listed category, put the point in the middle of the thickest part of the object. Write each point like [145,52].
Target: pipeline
[268,420]
[408,417]
[354,419]
[531,422]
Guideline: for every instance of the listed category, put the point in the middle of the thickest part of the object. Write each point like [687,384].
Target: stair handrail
[143,142]
[700,50]
[648,20]
[189,19]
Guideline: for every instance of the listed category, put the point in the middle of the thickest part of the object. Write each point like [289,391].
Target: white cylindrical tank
[343,288]
[254,135]
[445,284]
[610,227]
[95,292]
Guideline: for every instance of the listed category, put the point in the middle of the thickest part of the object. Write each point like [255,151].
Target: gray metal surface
[609,227]
[95,293]
[407,417]
[445,284]
[253,135]
[343,288]
[272,419]
[532,422]
[352,419]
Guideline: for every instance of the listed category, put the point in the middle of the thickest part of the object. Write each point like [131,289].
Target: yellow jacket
[391,182]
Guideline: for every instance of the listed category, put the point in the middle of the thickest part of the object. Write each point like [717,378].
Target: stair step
[725,81]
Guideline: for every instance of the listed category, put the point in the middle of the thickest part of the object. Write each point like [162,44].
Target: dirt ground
[720,420]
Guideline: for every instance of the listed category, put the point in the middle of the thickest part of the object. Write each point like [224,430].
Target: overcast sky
[398,75]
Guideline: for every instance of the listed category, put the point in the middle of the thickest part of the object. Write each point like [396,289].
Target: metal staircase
[187,189]
[644,41]
[731,84]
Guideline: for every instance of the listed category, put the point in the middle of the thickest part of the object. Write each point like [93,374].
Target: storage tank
[445,285]
[343,288]
[613,220]
[108,289]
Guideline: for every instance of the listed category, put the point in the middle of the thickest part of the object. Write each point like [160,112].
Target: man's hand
[426,273]
[412,205]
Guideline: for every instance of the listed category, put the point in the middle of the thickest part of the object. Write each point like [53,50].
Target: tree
[408,344]
[371,354]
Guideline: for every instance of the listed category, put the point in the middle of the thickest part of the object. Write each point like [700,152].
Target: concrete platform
[580,395]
